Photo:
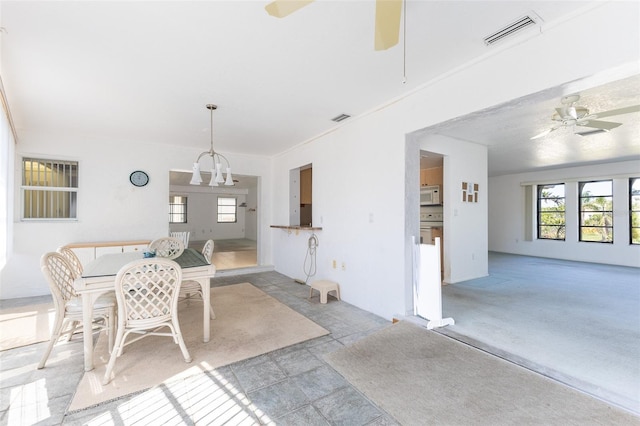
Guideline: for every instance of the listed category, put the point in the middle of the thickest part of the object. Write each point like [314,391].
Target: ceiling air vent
[520,24]
[340,118]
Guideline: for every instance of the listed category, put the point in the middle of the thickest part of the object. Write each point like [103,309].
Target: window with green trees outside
[596,211]
[634,209]
[551,212]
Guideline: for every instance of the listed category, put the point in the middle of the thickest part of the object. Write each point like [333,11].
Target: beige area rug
[26,325]
[248,323]
[421,377]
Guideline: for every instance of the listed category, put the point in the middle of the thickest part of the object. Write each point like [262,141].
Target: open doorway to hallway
[225,214]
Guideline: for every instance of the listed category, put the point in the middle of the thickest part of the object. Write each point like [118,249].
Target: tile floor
[290,386]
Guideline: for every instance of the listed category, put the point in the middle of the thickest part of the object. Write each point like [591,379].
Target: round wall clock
[139,178]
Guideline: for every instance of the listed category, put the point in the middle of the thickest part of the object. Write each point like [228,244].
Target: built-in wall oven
[430,219]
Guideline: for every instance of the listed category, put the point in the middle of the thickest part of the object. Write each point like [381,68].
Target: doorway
[432,212]
[233,227]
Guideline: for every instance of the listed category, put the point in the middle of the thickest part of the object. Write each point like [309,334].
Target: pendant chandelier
[217,162]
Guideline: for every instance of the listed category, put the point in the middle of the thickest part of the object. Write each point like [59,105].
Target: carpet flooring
[248,323]
[421,377]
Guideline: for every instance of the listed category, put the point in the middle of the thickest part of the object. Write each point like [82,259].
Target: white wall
[7,147]
[109,207]
[251,214]
[507,207]
[361,197]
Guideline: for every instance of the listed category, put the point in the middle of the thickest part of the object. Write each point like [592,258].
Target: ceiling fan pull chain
[404,42]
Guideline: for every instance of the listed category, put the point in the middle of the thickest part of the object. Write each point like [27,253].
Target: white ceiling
[144,71]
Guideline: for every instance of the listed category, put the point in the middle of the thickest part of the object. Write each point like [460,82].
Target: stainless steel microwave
[430,195]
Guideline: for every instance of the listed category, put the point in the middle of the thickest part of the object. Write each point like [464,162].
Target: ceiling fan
[387,27]
[570,114]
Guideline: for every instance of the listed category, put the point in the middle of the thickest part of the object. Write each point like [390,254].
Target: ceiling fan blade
[598,124]
[387,31]
[545,133]
[619,111]
[282,8]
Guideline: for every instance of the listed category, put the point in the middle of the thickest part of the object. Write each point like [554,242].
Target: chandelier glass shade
[217,159]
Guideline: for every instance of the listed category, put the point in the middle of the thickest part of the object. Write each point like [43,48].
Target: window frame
[235,209]
[581,211]
[46,191]
[539,212]
[184,206]
[633,212]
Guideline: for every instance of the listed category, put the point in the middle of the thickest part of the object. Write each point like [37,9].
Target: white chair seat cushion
[106,300]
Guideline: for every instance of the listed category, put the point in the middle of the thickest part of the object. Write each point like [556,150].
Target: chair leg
[114,354]
[55,335]
[178,335]
[72,328]
[111,329]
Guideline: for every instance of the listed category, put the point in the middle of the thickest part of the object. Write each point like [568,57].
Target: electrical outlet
[344,266]
[334,264]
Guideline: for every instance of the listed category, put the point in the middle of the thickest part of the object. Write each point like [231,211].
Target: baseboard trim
[243,271]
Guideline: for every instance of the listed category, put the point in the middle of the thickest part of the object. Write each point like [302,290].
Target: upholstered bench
[324,287]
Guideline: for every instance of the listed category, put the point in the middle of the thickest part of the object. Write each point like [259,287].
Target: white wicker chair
[182,236]
[167,247]
[190,287]
[73,260]
[60,276]
[147,294]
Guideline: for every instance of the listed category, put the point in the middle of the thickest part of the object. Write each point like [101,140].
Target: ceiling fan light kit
[572,115]
[216,158]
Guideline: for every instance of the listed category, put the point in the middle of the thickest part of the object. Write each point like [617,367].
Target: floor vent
[520,24]
[340,118]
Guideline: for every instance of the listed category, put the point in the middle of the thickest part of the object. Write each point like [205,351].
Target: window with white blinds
[227,211]
[177,209]
[49,189]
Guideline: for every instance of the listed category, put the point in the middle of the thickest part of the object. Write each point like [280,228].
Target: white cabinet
[139,247]
[107,250]
[87,252]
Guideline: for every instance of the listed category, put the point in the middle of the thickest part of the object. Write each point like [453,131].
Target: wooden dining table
[98,277]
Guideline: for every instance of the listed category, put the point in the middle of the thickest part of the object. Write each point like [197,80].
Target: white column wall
[506,218]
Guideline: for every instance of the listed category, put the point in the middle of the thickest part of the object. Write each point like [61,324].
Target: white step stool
[324,287]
